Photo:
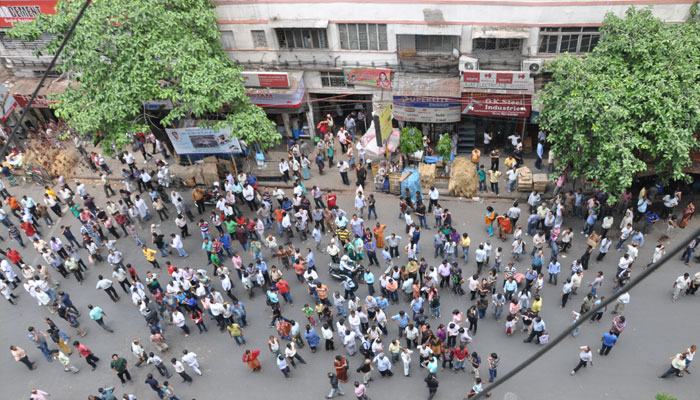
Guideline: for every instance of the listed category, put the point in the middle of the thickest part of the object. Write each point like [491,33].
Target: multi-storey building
[450,65]
[442,65]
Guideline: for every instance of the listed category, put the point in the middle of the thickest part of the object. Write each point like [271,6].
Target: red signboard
[265,79]
[496,79]
[39,102]
[24,11]
[500,105]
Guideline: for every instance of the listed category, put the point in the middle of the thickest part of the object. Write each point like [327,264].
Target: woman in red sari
[687,214]
[251,358]
[341,368]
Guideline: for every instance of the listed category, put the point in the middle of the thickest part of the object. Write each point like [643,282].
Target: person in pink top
[361,391]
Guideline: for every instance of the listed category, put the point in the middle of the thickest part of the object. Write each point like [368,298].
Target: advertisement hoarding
[427,109]
[198,140]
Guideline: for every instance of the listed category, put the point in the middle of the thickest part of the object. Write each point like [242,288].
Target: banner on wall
[496,79]
[427,109]
[24,11]
[499,105]
[380,78]
[198,140]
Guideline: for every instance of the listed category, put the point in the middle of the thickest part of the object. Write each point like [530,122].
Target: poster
[368,77]
[427,109]
[385,122]
[24,11]
[496,79]
[203,141]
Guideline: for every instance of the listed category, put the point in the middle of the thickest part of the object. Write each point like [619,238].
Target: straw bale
[464,181]
[427,174]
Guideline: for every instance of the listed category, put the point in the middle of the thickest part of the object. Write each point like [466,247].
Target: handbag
[544,338]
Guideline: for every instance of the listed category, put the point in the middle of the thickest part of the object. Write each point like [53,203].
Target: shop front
[430,103]
[498,102]
[282,95]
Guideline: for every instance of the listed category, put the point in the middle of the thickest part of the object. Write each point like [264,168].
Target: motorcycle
[211,196]
[346,269]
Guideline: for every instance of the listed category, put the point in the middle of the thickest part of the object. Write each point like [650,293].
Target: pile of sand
[464,181]
[427,174]
[56,161]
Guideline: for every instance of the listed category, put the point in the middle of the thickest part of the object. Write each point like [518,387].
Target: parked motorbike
[346,268]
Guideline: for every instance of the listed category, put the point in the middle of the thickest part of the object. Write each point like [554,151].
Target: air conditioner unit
[468,63]
[534,65]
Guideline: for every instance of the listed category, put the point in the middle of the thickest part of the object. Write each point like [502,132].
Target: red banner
[24,11]
[499,105]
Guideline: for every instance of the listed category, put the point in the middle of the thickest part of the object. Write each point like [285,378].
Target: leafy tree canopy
[124,52]
[410,141]
[630,104]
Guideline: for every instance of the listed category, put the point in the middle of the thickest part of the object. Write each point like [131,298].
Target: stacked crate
[540,182]
[524,179]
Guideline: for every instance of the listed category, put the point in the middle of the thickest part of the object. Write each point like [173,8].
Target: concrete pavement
[656,329]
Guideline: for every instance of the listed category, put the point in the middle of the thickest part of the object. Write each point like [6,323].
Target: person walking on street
[21,356]
[190,358]
[39,339]
[585,357]
[361,391]
[97,315]
[432,382]
[83,351]
[119,366]
[335,386]
[180,369]
[678,364]
[107,286]
[65,361]
[609,339]
[153,383]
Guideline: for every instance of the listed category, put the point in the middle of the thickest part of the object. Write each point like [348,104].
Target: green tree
[444,147]
[630,104]
[124,52]
[664,396]
[410,141]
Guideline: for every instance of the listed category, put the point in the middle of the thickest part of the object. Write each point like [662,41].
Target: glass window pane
[352,37]
[382,37]
[585,43]
[314,38]
[373,41]
[570,29]
[343,36]
[298,42]
[593,29]
[362,34]
[322,39]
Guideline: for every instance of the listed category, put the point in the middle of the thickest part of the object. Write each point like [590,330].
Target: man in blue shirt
[369,280]
[383,303]
[401,319]
[609,339]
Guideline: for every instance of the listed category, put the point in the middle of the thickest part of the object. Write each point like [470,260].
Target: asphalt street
[656,329]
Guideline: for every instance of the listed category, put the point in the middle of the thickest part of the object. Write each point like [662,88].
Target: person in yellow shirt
[537,304]
[150,255]
[465,241]
[50,192]
[494,175]
[476,154]
[510,161]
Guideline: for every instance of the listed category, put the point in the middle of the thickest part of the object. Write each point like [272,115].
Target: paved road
[656,330]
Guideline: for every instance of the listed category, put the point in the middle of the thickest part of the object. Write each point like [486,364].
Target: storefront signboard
[24,11]
[498,105]
[496,79]
[380,78]
[197,140]
[265,79]
[427,109]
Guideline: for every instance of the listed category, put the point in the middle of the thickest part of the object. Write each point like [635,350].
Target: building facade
[450,65]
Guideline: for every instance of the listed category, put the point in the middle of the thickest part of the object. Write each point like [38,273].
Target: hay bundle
[56,161]
[464,181]
[427,174]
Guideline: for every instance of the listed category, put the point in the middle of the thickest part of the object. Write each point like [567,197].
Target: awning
[500,32]
[404,84]
[280,98]
[298,23]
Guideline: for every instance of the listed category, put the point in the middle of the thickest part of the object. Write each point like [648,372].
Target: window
[362,36]
[302,38]
[572,40]
[334,79]
[227,40]
[498,44]
[436,44]
[17,44]
[259,39]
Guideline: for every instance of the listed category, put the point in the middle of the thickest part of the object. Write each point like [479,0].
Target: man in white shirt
[512,175]
[513,214]
[623,300]
[190,358]
[106,285]
[284,169]
[434,196]
[176,243]
[585,357]
[343,168]
[249,196]
[681,284]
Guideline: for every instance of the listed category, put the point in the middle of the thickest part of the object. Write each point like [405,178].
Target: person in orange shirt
[379,235]
[322,292]
[488,220]
[504,226]
[14,206]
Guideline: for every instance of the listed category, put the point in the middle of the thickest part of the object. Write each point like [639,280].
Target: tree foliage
[124,52]
[444,147]
[630,104]
[410,141]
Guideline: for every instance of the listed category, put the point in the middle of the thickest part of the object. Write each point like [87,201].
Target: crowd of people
[261,249]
